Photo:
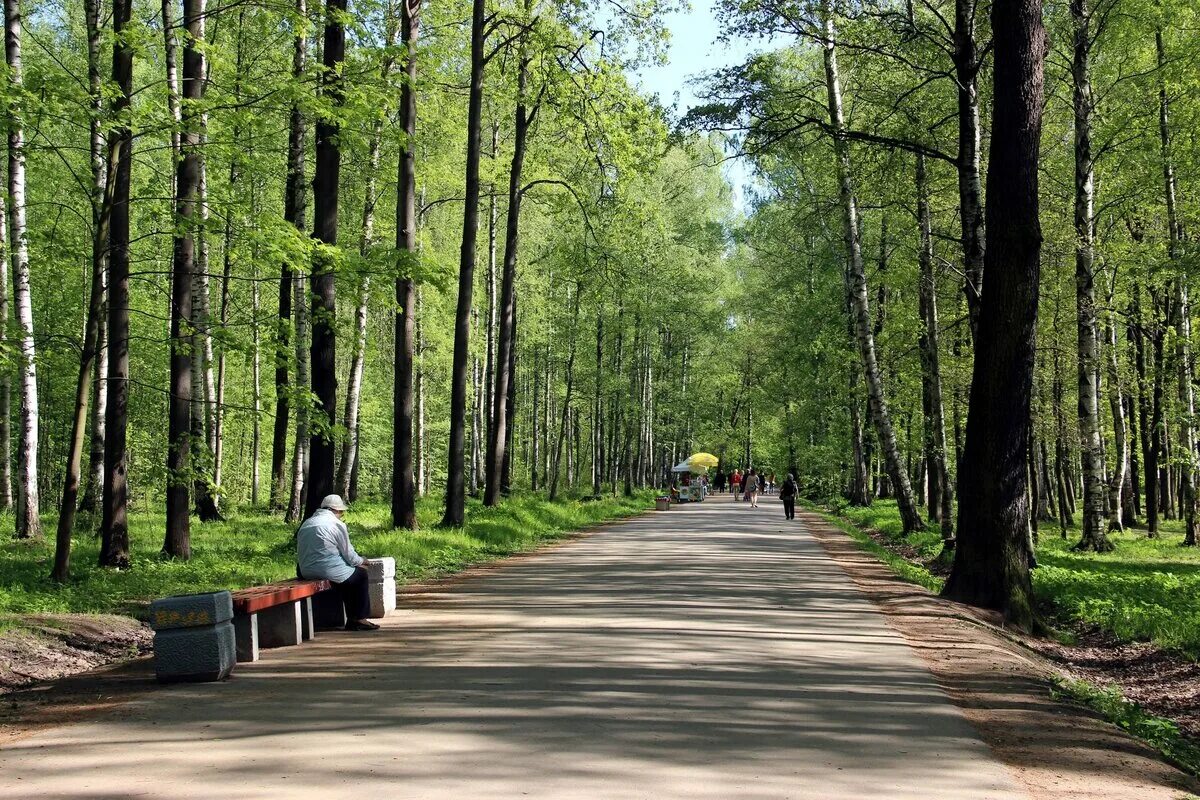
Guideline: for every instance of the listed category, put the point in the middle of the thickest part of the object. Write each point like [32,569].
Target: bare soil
[1058,751]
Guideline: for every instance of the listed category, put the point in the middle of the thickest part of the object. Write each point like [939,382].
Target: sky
[693,51]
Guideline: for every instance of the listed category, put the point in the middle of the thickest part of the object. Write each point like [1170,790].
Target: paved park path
[714,651]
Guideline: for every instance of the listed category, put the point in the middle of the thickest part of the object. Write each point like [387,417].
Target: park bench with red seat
[275,615]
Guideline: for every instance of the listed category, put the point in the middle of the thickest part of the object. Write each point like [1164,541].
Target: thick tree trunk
[455,515]
[1090,436]
[993,556]
[29,523]
[941,493]
[404,492]
[498,441]
[970,187]
[293,212]
[114,528]
[897,474]
[177,542]
[326,175]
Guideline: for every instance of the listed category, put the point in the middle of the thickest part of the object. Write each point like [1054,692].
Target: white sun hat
[334,502]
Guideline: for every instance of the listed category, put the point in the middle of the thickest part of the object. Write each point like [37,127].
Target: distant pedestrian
[719,482]
[735,483]
[752,488]
[787,493]
[771,483]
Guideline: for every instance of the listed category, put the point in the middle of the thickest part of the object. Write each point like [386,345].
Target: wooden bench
[275,615]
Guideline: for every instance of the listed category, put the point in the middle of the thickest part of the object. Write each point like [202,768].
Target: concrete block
[279,626]
[380,568]
[383,597]
[191,610]
[245,629]
[205,653]
[328,611]
[307,629]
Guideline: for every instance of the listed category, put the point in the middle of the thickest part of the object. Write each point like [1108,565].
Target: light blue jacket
[323,548]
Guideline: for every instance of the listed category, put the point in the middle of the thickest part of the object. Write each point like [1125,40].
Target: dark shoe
[361,625]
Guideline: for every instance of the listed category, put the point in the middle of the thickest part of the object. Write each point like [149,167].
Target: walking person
[752,488]
[787,493]
[735,483]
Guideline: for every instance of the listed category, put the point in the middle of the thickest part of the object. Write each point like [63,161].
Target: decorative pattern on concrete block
[380,568]
[191,610]
[195,654]
[383,597]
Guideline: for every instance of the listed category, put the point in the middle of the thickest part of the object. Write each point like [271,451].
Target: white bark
[28,502]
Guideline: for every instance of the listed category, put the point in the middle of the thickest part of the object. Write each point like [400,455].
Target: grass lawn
[253,548]
[1145,590]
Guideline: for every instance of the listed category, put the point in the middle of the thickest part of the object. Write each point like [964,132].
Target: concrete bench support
[280,626]
[193,637]
[308,629]
[245,629]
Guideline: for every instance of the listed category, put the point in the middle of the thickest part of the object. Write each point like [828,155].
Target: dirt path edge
[1056,750]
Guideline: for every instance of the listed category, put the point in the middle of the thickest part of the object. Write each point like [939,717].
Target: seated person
[324,552]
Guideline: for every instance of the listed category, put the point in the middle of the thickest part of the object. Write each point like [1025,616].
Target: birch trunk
[114,527]
[293,212]
[1183,323]
[348,463]
[29,523]
[1090,437]
[941,495]
[303,394]
[1120,475]
[970,186]
[6,493]
[860,303]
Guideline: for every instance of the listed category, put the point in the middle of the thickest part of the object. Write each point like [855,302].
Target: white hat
[334,502]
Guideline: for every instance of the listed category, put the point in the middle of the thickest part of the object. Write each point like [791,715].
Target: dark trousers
[354,594]
[789,507]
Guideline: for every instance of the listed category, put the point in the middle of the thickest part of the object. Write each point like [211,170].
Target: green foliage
[1161,733]
[253,548]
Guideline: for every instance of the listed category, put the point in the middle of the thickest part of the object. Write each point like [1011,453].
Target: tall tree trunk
[29,523]
[114,528]
[897,474]
[1120,474]
[6,493]
[970,187]
[93,487]
[300,444]
[404,493]
[293,212]
[489,371]
[498,441]
[941,493]
[348,463]
[422,457]
[455,515]
[1090,436]
[325,226]
[91,338]
[1183,324]
[256,384]
[177,542]
[510,405]
[993,556]
[566,406]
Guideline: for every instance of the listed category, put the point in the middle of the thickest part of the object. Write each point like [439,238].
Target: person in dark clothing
[787,493]
[719,482]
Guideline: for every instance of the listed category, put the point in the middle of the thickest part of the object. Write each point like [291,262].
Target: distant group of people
[747,486]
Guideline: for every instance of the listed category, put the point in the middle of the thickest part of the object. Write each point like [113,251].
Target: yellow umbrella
[705,460]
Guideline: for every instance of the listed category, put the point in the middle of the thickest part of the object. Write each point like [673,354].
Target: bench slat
[257,598]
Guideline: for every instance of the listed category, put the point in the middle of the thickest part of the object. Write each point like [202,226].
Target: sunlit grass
[254,548]
[1144,590]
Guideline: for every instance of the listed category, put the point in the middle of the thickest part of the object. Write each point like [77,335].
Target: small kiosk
[694,486]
